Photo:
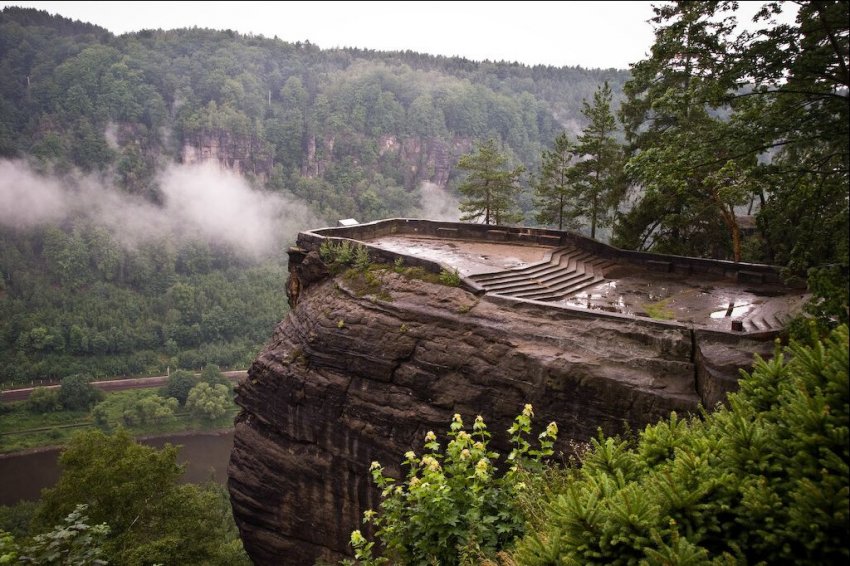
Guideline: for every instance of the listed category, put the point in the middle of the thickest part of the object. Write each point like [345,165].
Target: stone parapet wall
[742,272]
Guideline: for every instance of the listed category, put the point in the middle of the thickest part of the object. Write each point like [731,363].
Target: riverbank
[22,429]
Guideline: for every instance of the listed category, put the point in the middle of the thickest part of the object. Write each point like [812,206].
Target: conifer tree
[555,189]
[598,176]
[490,189]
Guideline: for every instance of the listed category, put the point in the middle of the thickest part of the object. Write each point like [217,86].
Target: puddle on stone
[736,312]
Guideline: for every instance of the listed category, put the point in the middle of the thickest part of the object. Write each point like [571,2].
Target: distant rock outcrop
[349,378]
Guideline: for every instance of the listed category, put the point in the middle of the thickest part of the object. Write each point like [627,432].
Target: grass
[659,310]
[22,430]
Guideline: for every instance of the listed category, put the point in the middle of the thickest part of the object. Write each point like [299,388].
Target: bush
[454,506]
[762,481]
[209,402]
[134,408]
[212,375]
[450,278]
[76,393]
[180,382]
[43,400]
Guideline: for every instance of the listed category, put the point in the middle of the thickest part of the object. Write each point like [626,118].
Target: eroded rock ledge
[348,379]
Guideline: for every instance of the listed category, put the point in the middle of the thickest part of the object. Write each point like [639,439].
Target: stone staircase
[767,317]
[567,271]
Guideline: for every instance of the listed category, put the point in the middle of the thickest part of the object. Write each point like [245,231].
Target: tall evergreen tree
[491,188]
[554,188]
[717,119]
[684,155]
[598,175]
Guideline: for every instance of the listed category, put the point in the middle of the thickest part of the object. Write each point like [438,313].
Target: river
[23,475]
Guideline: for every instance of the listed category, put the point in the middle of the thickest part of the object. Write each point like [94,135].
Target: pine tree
[555,189]
[490,188]
[598,175]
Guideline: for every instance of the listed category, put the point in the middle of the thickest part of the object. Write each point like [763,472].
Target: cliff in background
[354,375]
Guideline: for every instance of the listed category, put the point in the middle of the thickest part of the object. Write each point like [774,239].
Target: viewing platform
[565,270]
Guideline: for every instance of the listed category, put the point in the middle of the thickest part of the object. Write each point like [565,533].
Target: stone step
[566,287]
[584,283]
[527,270]
[514,287]
[560,277]
[525,274]
[755,324]
[570,266]
[535,286]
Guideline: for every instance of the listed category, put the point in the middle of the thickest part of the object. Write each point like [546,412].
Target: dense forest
[108,265]
[103,270]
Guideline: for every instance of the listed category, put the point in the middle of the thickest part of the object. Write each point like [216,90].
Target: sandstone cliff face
[348,379]
[240,153]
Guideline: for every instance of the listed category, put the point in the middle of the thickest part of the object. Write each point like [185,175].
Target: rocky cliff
[358,374]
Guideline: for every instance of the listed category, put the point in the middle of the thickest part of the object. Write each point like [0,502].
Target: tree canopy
[490,188]
[134,490]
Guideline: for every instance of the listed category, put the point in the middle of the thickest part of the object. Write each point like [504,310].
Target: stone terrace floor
[699,300]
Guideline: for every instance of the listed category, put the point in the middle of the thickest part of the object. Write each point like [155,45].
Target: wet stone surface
[698,300]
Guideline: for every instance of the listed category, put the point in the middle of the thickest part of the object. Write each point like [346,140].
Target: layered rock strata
[356,374]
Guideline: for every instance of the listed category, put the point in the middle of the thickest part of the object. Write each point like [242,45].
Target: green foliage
[361,258]
[44,400]
[134,409]
[764,480]
[554,191]
[490,189]
[764,124]
[76,393]
[72,543]
[340,253]
[454,506]
[212,375]
[830,286]
[135,490]
[450,278]
[136,309]
[209,402]
[179,384]
[598,176]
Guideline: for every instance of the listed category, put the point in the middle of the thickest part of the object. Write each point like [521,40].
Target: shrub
[361,258]
[212,374]
[762,481]
[178,386]
[454,505]
[76,393]
[43,400]
[209,402]
[450,278]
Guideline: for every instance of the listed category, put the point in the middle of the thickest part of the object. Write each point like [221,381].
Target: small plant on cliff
[337,253]
[450,278]
[361,258]
[454,507]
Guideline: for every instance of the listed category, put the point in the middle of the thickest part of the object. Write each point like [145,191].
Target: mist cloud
[200,201]
[437,203]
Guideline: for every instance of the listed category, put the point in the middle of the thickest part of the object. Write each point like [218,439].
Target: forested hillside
[103,270]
